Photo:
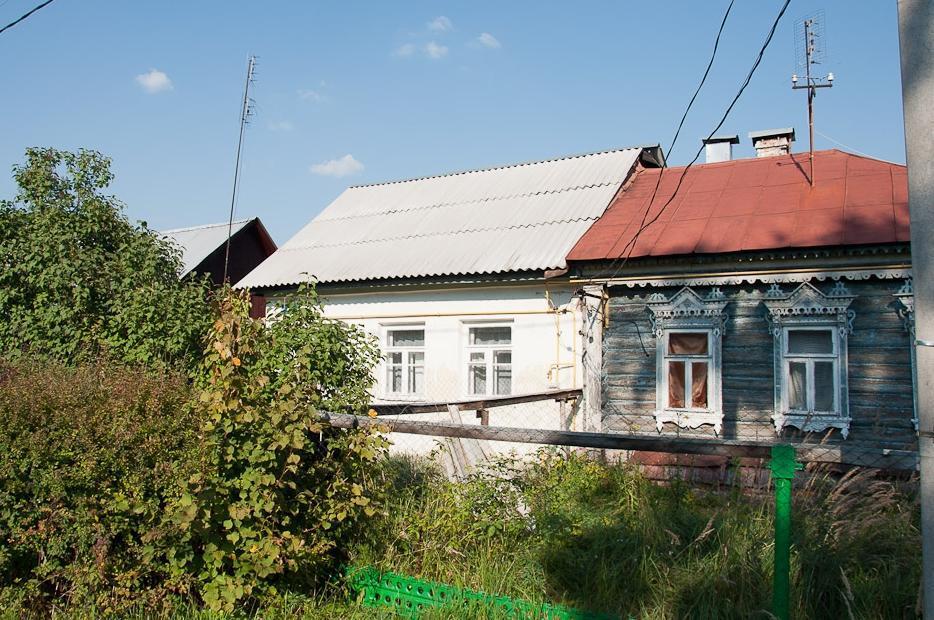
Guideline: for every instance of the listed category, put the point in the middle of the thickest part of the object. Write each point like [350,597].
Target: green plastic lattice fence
[410,596]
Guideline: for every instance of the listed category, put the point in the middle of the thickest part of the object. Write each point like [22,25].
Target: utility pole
[916,46]
[246,110]
[812,83]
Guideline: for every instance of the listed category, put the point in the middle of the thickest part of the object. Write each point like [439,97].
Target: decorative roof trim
[784,277]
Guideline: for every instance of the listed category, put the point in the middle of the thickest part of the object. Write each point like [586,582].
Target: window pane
[823,386]
[502,357]
[699,385]
[490,335]
[687,344]
[477,356]
[798,386]
[676,384]
[502,379]
[394,358]
[810,341]
[476,379]
[407,338]
[394,379]
[416,357]
[416,379]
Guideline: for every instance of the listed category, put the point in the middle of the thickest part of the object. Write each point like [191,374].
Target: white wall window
[405,361]
[688,331]
[489,360]
[810,332]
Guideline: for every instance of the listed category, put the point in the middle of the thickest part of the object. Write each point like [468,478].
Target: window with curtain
[489,360]
[810,330]
[688,331]
[405,362]
[687,368]
[810,370]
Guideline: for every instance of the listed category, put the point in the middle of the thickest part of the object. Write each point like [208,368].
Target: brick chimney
[772,142]
[719,148]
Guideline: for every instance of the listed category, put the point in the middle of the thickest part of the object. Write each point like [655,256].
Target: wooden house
[738,301]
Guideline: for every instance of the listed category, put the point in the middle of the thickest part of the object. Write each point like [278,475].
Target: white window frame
[807,308]
[407,364]
[489,352]
[688,312]
[809,359]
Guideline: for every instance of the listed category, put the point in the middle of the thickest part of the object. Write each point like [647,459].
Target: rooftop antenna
[246,111]
[810,49]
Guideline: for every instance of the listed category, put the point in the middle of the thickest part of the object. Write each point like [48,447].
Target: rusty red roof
[755,204]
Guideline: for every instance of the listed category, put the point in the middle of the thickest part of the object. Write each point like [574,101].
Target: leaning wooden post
[783,468]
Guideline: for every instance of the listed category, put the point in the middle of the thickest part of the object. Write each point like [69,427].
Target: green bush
[87,456]
[123,487]
[278,494]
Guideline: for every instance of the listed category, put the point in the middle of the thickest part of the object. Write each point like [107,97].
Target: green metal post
[783,467]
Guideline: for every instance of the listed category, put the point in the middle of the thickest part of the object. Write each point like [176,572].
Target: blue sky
[388,90]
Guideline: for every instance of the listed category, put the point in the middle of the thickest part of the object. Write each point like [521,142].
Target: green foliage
[278,494]
[577,532]
[86,456]
[78,279]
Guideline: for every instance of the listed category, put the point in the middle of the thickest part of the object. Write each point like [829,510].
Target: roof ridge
[500,167]
[187,228]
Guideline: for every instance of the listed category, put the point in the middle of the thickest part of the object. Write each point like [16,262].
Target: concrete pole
[916,43]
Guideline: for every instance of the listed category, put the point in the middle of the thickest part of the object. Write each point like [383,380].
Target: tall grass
[573,531]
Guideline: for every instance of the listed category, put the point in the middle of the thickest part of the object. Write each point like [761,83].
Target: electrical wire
[13,23]
[631,244]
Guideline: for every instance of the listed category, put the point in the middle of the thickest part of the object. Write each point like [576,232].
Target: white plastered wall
[545,347]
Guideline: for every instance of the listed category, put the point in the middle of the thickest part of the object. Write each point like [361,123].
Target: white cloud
[487,40]
[405,50]
[440,24]
[306,94]
[281,126]
[435,51]
[154,81]
[340,167]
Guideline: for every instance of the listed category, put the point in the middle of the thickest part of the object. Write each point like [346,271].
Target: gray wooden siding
[879,370]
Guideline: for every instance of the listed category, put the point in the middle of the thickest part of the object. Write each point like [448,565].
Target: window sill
[812,422]
[689,418]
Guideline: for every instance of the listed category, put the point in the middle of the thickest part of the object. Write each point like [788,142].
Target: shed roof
[198,242]
[755,204]
[511,218]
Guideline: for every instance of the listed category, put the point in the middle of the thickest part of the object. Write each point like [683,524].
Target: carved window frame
[906,310]
[686,311]
[808,308]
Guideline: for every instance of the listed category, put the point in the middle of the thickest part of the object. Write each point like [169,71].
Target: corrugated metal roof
[197,242]
[513,218]
[761,203]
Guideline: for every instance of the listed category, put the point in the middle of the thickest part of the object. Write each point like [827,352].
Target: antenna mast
[246,111]
[810,51]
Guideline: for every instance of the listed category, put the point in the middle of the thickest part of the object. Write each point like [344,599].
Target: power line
[674,140]
[13,23]
[630,246]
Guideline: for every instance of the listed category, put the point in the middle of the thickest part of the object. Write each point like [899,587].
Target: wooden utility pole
[916,45]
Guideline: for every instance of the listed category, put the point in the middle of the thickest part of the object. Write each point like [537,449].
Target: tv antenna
[246,112]
[810,49]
